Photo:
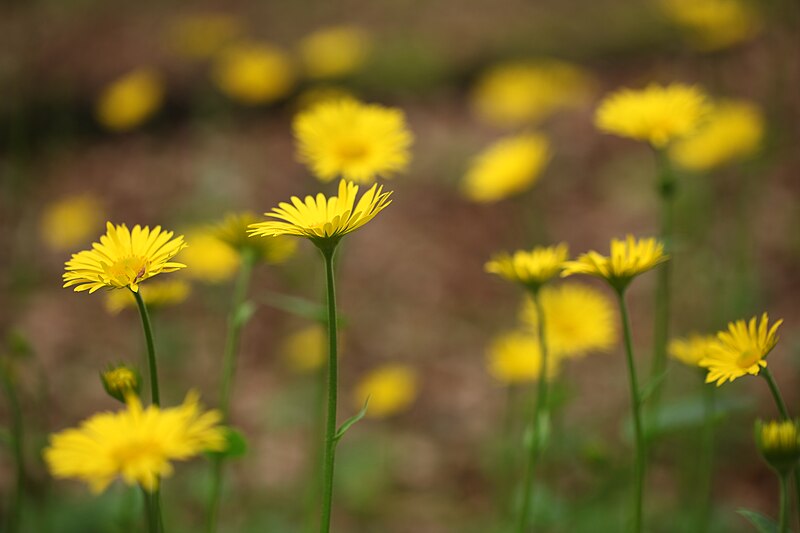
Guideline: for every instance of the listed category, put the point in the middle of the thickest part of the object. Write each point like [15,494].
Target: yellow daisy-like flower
[130,100]
[324,220]
[334,52]
[155,294]
[657,114]
[70,221]
[305,349]
[531,269]
[692,349]
[714,24]
[628,259]
[514,357]
[136,444]
[203,35]
[741,350]
[209,259]
[507,167]
[253,73]
[352,140]
[123,258]
[578,319]
[391,389]
[522,92]
[233,232]
[733,131]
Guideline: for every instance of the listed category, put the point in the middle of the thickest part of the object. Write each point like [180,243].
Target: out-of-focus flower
[253,73]
[733,131]
[778,441]
[69,221]
[304,350]
[233,232]
[209,259]
[391,389]
[530,268]
[692,349]
[741,350]
[515,357]
[155,294]
[123,258]
[121,381]
[657,114]
[523,92]
[130,100]
[201,36]
[352,140]
[714,24]
[334,52]
[507,167]
[320,94]
[135,444]
[578,319]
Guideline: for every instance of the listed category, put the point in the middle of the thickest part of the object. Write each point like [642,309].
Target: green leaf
[244,313]
[296,306]
[763,524]
[235,445]
[651,387]
[350,421]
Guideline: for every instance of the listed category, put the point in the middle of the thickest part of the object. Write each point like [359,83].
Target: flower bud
[120,381]
[779,443]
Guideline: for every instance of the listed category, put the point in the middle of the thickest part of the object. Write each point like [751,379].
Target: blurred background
[177,113]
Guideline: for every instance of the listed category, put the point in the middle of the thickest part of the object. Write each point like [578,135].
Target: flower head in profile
[70,221]
[324,220]
[121,381]
[714,24]
[515,357]
[657,114]
[253,73]
[233,232]
[741,350]
[692,349]
[507,167]
[123,258]
[530,268]
[304,350]
[778,441]
[627,259]
[130,100]
[391,389]
[136,444]
[334,52]
[155,294]
[733,131]
[351,140]
[578,319]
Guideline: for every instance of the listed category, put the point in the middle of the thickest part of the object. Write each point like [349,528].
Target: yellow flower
[391,389]
[135,444]
[531,269]
[740,350]
[123,258]
[324,220]
[130,100]
[70,221]
[732,131]
[120,381]
[779,443]
[201,36]
[628,259]
[334,52]
[253,73]
[507,167]
[233,232]
[578,319]
[657,114]
[209,259]
[352,140]
[305,349]
[155,294]
[714,24]
[692,349]
[514,357]
[519,93]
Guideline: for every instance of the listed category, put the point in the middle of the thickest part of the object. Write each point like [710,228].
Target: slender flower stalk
[707,459]
[783,516]
[16,435]
[330,424]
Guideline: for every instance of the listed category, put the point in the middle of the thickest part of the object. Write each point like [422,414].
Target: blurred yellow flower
[352,140]
[253,73]
[514,357]
[578,319]
[628,259]
[155,294]
[692,349]
[135,444]
[70,221]
[324,220]
[233,232]
[209,259]
[523,92]
[391,390]
[304,350]
[530,268]
[200,36]
[123,258]
[740,350]
[130,100]
[714,24]
[657,114]
[733,131]
[335,51]
[507,167]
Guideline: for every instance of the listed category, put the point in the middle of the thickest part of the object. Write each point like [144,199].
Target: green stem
[707,458]
[152,509]
[783,525]
[14,502]
[639,468]
[540,408]
[235,325]
[330,426]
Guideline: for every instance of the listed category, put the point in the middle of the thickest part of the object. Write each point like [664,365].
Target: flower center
[351,150]
[748,358]
[127,270]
